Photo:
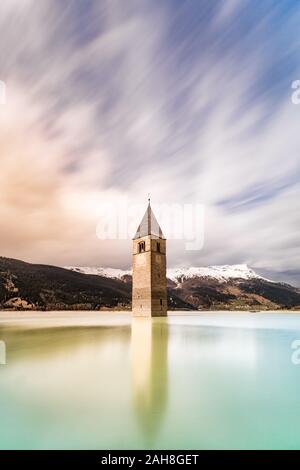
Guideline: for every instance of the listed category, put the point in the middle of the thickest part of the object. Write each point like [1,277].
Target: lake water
[192,381]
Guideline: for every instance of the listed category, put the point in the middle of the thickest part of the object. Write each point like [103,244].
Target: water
[100,381]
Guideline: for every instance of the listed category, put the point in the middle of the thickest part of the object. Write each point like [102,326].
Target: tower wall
[159,305]
[149,281]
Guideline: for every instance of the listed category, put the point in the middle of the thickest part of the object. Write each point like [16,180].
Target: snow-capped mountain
[214,287]
[220,273]
[26,286]
[112,273]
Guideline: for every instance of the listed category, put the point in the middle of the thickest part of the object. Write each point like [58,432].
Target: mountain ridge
[230,287]
[26,286]
[220,272]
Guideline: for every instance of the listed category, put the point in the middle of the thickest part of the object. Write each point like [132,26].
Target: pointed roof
[149,225]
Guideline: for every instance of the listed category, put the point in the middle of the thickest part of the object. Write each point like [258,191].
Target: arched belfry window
[141,247]
[158,246]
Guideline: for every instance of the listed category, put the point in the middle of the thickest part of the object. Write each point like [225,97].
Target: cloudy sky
[190,100]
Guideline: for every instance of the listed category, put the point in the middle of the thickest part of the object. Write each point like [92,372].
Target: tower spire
[149,225]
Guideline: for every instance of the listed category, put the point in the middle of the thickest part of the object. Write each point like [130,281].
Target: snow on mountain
[220,273]
[106,272]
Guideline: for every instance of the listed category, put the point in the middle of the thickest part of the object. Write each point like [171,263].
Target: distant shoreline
[128,310]
[33,321]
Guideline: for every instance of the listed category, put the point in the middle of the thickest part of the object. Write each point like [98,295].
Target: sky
[189,101]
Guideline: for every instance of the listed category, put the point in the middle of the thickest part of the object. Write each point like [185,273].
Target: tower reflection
[149,360]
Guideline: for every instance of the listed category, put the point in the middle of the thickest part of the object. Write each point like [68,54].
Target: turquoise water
[199,381]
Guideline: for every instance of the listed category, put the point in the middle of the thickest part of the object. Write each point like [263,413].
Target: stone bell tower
[149,279]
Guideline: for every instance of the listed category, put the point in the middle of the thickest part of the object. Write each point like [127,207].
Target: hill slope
[218,287]
[35,286]
[25,285]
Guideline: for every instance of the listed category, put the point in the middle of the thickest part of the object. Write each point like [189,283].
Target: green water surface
[201,381]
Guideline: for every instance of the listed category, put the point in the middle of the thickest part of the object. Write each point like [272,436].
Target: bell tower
[149,279]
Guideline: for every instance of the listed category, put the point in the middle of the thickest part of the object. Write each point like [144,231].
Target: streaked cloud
[189,101]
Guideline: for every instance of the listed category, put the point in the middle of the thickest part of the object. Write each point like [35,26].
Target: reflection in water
[177,383]
[149,359]
[39,344]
